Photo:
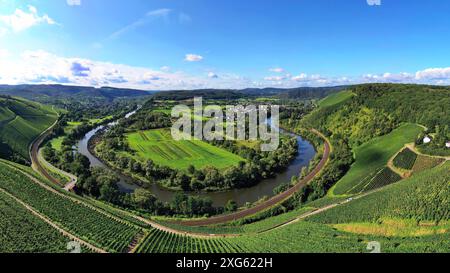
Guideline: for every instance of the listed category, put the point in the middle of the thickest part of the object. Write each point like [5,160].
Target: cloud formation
[21,20]
[277,70]
[213,75]
[46,68]
[148,17]
[74,2]
[193,58]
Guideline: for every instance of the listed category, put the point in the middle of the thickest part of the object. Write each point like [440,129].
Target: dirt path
[413,148]
[269,203]
[48,221]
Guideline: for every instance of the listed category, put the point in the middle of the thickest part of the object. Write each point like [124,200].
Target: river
[306,153]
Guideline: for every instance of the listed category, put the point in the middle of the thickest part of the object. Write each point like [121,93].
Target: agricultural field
[158,145]
[98,228]
[21,122]
[426,162]
[370,157]
[405,159]
[380,178]
[33,235]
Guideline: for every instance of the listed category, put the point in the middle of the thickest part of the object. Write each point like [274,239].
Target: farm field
[370,157]
[97,228]
[426,162]
[158,145]
[405,159]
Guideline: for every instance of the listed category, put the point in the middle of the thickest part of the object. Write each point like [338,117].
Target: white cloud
[277,70]
[74,2]
[213,75]
[165,68]
[434,74]
[193,58]
[21,20]
[4,53]
[44,67]
[301,77]
[149,16]
[275,78]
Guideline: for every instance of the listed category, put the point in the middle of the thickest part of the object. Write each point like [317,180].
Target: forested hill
[21,121]
[303,93]
[50,93]
[376,109]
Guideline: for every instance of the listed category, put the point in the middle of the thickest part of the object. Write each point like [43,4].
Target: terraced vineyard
[159,146]
[32,235]
[100,229]
[405,159]
[383,178]
[422,197]
[158,241]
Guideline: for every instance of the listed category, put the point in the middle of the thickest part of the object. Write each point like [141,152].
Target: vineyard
[380,178]
[98,228]
[372,156]
[158,241]
[422,197]
[31,235]
[425,162]
[383,178]
[405,159]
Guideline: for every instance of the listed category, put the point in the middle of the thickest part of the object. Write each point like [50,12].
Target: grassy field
[336,98]
[21,122]
[374,155]
[159,146]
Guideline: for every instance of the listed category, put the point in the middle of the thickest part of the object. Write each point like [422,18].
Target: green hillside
[374,155]
[336,98]
[21,121]
[423,197]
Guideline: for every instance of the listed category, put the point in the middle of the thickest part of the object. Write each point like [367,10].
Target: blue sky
[168,44]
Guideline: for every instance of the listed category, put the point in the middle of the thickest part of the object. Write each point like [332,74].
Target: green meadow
[370,157]
[158,146]
[336,98]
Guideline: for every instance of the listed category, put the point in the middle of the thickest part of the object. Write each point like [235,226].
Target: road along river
[306,153]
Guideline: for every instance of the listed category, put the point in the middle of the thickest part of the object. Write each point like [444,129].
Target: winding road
[269,203]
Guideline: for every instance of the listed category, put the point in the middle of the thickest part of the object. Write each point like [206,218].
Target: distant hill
[282,93]
[51,93]
[21,121]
